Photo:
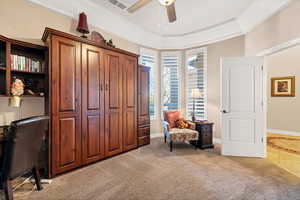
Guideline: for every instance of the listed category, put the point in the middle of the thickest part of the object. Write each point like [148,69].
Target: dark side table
[205,130]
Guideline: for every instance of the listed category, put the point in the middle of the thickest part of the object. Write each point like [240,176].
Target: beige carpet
[154,173]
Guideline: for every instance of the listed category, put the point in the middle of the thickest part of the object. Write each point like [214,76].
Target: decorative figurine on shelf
[111,44]
[17,89]
[82,25]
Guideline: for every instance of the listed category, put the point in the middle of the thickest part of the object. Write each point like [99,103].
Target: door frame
[264,95]
[265,53]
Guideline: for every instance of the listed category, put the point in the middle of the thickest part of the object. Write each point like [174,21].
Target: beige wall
[280,28]
[229,48]
[26,21]
[283,112]
[31,106]
[21,19]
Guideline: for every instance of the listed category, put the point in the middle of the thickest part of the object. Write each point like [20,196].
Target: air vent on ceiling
[118,4]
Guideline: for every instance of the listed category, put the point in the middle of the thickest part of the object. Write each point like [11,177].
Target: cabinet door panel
[67,77]
[114,82]
[113,103]
[93,64]
[65,104]
[114,129]
[93,128]
[93,136]
[129,102]
[129,72]
[144,84]
[67,138]
[130,130]
[143,94]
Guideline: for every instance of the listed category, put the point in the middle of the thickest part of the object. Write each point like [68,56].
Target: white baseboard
[217,140]
[156,135]
[284,132]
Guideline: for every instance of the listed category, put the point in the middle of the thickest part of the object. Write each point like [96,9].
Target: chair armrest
[192,125]
[166,127]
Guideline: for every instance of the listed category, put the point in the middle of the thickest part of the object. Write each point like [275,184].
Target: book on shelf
[2,58]
[26,64]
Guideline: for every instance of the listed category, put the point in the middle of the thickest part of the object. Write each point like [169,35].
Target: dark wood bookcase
[34,81]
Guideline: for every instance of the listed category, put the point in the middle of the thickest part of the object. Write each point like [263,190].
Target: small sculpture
[110,43]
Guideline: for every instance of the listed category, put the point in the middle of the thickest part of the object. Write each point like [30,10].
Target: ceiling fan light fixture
[166,2]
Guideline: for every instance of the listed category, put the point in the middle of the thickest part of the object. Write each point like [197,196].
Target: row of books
[23,63]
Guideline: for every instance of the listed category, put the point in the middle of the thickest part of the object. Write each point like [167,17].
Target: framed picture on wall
[283,86]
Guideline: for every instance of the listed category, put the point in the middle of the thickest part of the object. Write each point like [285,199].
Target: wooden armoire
[93,101]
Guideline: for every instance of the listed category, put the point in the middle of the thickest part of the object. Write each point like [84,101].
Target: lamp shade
[82,24]
[196,93]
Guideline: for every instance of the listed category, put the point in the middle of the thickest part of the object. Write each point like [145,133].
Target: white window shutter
[196,64]
[170,81]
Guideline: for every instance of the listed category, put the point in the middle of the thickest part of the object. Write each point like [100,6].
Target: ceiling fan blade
[171,12]
[138,5]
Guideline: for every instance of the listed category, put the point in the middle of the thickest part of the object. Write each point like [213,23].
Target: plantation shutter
[195,78]
[170,78]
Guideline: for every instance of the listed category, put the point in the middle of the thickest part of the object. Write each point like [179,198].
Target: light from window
[195,78]
[149,61]
[170,82]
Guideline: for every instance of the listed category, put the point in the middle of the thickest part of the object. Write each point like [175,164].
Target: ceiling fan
[169,4]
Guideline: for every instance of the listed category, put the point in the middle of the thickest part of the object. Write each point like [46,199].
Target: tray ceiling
[192,15]
[198,21]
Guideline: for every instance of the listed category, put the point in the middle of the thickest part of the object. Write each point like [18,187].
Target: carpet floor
[154,173]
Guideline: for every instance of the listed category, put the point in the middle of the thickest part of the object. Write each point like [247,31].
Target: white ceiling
[192,15]
[199,22]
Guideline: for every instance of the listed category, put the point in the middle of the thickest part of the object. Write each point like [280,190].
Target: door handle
[224,111]
[106,86]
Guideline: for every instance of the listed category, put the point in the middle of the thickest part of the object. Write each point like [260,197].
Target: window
[149,58]
[170,81]
[196,64]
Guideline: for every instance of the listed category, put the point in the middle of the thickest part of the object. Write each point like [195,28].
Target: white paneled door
[242,107]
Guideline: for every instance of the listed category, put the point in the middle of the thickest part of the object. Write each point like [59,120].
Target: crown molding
[280,47]
[199,30]
[98,17]
[259,11]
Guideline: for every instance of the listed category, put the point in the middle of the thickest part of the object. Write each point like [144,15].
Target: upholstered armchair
[172,133]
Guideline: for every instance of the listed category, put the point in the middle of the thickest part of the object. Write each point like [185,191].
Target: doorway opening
[283,108]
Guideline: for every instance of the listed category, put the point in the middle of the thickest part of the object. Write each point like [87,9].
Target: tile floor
[284,151]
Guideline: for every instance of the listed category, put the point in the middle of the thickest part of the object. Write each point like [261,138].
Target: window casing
[196,77]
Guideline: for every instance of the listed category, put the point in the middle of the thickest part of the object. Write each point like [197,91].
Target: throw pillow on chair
[171,116]
[182,124]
